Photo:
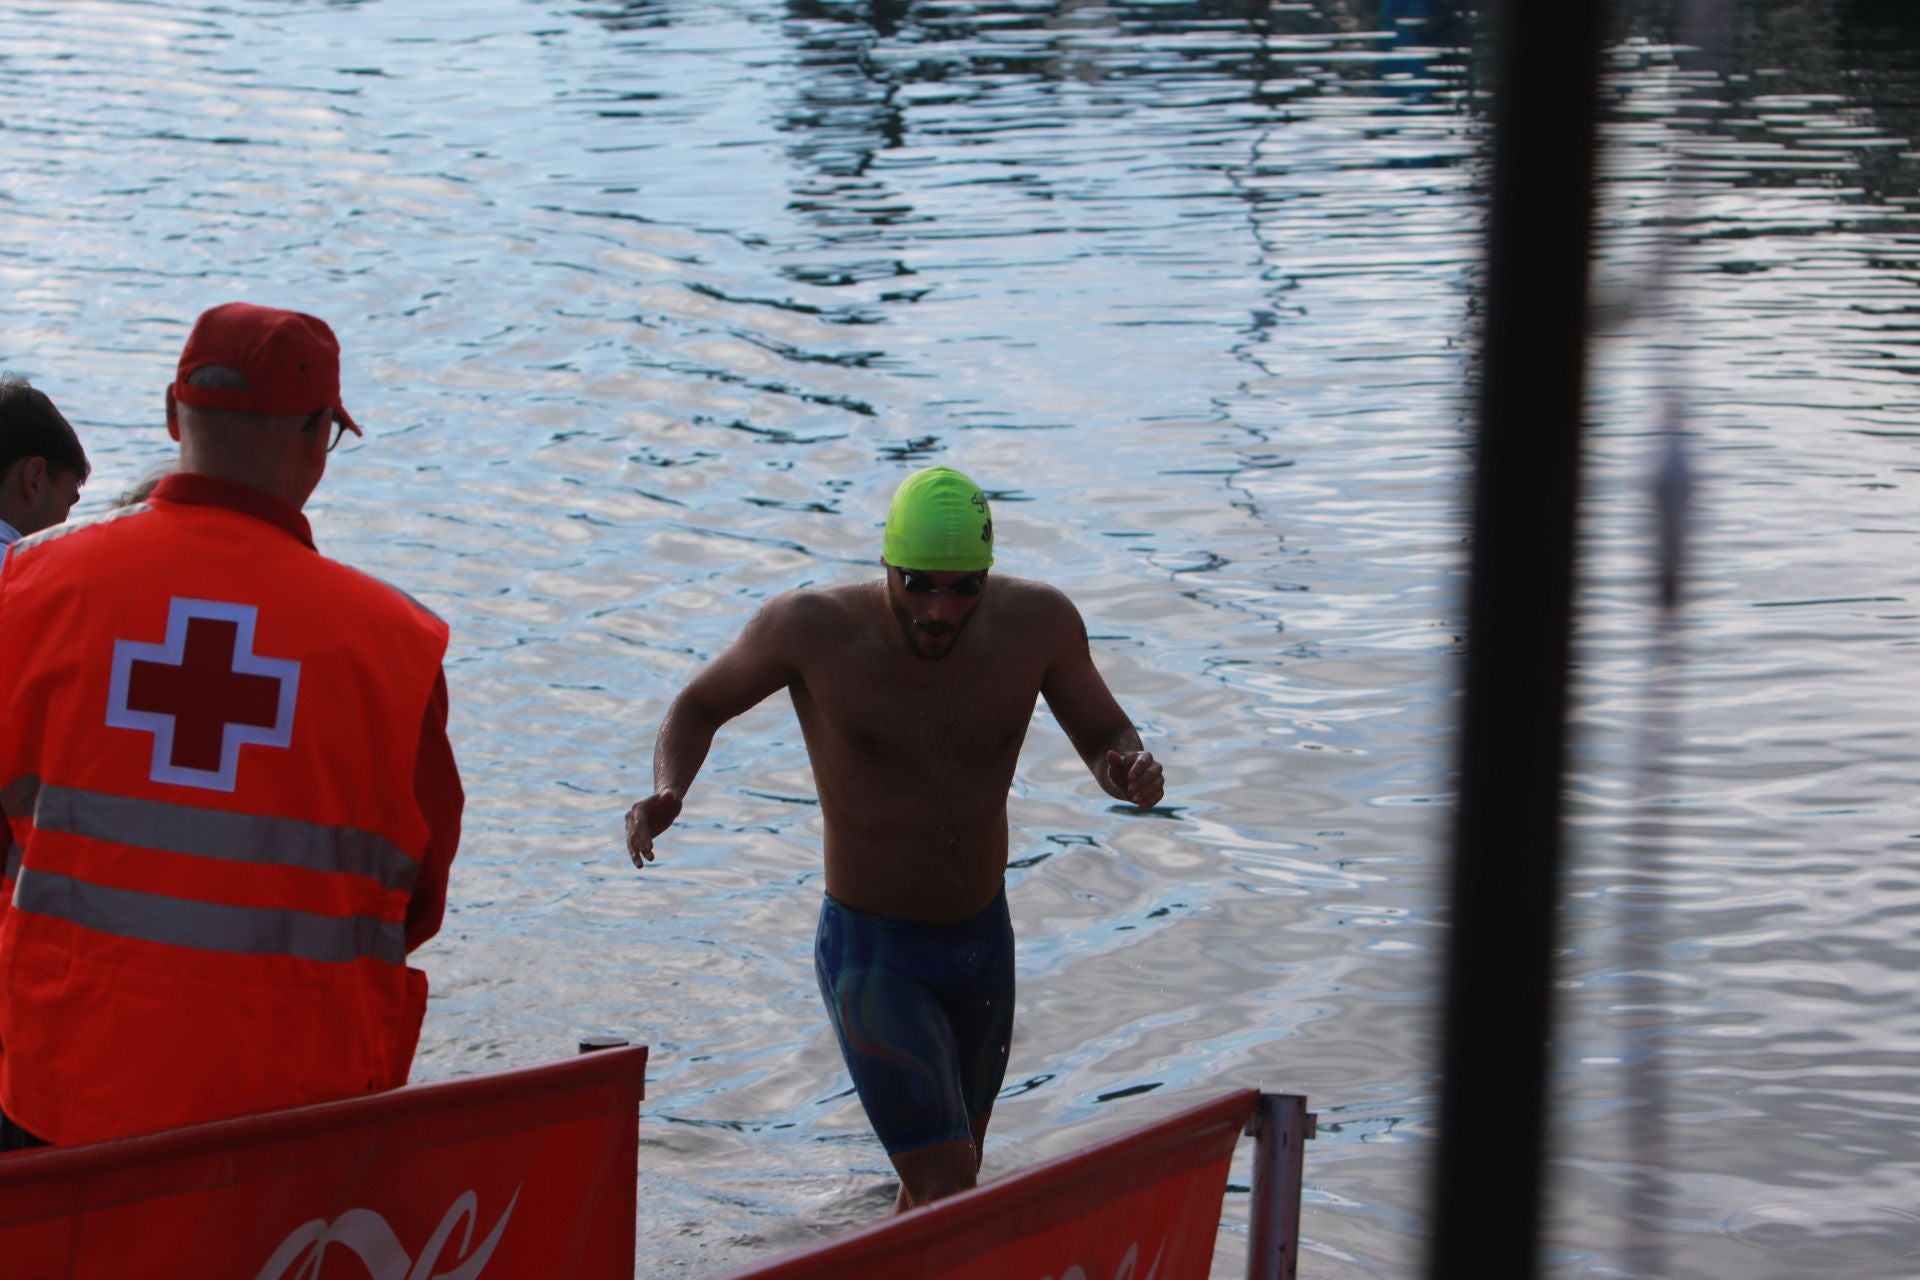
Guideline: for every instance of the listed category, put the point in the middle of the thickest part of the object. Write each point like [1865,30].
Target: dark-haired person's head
[42,465]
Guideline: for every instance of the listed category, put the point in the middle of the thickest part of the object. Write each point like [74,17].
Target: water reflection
[652,303]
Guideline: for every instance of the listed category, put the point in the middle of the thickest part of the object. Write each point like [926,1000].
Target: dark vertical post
[1281,1127]
[1487,1180]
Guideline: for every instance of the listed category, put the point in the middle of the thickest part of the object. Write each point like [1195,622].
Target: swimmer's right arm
[758,663]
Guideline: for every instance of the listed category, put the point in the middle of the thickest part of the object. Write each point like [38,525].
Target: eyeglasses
[920,582]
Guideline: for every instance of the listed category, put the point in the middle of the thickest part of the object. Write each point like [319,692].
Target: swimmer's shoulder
[1034,602]
[816,614]
[1040,615]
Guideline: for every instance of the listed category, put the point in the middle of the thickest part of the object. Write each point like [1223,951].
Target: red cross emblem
[203,693]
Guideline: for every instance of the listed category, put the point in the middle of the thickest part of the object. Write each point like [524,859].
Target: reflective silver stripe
[18,796]
[70,527]
[211,833]
[210,926]
[16,800]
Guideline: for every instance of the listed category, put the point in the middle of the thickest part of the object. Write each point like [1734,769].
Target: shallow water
[647,307]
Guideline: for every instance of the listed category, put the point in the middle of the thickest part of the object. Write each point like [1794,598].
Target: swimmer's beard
[911,631]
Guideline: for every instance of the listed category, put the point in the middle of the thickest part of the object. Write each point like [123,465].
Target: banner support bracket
[1280,1126]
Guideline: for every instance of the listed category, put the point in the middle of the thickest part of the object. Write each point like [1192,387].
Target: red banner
[525,1173]
[1143,1206]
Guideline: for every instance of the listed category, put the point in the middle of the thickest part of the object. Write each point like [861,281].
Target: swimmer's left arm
[1092,718]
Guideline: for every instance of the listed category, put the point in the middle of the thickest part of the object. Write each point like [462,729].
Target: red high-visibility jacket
[208,765]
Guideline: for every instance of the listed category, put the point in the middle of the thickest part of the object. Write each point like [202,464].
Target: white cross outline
[172,653]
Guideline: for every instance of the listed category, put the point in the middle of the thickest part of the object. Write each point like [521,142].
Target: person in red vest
[226,770]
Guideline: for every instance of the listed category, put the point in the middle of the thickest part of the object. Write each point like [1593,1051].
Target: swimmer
[913,693]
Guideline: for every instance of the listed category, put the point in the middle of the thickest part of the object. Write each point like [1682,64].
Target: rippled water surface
[648,306]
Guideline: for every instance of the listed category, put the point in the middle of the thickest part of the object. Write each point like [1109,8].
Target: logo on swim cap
[939,521]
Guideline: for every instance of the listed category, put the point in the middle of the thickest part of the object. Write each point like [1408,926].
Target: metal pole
[1487,1174]
[1281,1126]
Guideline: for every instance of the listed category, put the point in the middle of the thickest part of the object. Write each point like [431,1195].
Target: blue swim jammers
[924,1013]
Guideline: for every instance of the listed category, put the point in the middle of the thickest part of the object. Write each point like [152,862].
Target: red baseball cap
[291,362]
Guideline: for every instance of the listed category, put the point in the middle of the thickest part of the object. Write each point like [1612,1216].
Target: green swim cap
[939,521]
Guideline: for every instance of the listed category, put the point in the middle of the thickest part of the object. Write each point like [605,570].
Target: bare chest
[962,718]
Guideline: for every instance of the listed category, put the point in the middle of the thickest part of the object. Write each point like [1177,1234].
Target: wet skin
[914,706]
